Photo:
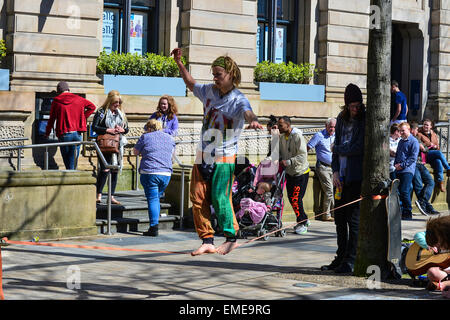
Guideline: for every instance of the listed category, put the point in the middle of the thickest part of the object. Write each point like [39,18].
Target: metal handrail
[13,139]
[56,144]
[108,166]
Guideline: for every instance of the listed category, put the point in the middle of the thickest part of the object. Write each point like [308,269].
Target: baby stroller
[269,172]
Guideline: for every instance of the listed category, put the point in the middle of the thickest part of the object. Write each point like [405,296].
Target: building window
[140,36]
[277,30]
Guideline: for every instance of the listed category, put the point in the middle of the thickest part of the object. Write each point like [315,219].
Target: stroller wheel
[263,233]
[281,233]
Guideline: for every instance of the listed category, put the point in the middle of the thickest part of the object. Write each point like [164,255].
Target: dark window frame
[269,19]
[125,9]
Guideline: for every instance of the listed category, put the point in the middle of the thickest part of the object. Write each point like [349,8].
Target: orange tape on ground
[62,245]
[2,297]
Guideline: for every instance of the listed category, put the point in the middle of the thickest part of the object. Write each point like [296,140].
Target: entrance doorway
[407,66]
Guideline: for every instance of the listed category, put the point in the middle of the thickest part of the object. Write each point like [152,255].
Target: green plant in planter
[149,64]
[2,50]
[267,71]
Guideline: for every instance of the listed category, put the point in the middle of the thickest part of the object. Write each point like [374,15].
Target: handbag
[108,143]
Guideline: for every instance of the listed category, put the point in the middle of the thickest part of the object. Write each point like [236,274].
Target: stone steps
[132,214]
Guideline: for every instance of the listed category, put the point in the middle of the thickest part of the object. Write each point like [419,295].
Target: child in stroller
[255,208]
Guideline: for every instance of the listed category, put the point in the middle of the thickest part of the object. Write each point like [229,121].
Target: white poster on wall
[110,30]
[136,33]
[280,45]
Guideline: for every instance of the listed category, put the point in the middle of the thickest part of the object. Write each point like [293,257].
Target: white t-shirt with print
[223,119]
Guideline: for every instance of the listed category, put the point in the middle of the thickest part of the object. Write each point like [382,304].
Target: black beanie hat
[352,94]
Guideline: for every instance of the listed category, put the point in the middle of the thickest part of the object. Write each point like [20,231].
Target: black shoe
[344,268]
[407,216]
[333,265]
[432,210]
[151,232]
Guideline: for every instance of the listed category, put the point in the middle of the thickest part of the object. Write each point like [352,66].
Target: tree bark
[373,234]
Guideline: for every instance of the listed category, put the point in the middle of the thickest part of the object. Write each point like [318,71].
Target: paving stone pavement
[278,269]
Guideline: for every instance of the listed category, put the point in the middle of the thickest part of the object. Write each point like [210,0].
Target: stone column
[54,40]
[343,43]
[214,28]
[439,93]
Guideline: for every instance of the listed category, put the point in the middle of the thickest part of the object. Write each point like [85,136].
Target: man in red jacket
[70,112]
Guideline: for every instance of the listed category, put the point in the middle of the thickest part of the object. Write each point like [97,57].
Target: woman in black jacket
[110,118]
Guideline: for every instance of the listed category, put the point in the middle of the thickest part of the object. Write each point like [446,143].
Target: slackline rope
[5,241]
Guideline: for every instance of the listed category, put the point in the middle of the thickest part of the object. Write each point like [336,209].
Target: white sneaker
[301,229]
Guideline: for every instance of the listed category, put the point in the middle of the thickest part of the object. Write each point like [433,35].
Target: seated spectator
[156,148]
[436,238]
[423,182]
[434,156]
[166,113]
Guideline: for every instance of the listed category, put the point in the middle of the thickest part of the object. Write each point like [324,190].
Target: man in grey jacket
[294,159]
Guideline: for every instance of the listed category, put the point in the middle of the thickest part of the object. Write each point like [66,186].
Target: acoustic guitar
[418,260]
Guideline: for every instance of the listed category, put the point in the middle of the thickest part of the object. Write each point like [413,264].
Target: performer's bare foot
[204,248]
[226,247]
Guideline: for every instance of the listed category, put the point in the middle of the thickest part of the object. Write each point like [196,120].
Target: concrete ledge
[50,205]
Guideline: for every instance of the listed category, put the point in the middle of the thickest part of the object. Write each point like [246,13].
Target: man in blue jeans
[405,166]
[423,182]
[69,111]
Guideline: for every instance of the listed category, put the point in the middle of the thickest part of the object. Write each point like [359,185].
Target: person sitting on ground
[434,156]
[156,148]
[423,182]
[436,238]
[166,113]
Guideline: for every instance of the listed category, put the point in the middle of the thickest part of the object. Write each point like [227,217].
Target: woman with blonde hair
[166,113]
[110,118]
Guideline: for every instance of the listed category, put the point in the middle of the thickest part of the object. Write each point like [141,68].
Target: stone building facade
[53,40]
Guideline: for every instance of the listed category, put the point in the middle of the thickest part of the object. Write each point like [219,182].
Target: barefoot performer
[225,109]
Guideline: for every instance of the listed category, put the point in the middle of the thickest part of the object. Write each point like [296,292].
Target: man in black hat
[70,112]
[347,166]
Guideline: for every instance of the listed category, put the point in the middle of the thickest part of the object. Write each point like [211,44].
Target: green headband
[219,62]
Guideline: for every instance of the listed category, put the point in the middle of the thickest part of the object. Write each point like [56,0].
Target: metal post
[136,187]
[19,160]
[182,199]
[109,203]
[46,158]
[448,137]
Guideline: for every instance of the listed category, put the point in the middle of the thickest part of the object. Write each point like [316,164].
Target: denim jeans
[154,186]
[423,183]
[405,189]
[438,162]
[68,152]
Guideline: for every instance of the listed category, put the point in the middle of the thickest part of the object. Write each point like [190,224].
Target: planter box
[4,79]
[291,92]
[147,86]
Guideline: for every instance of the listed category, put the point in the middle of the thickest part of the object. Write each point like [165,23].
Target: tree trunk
[373,235]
